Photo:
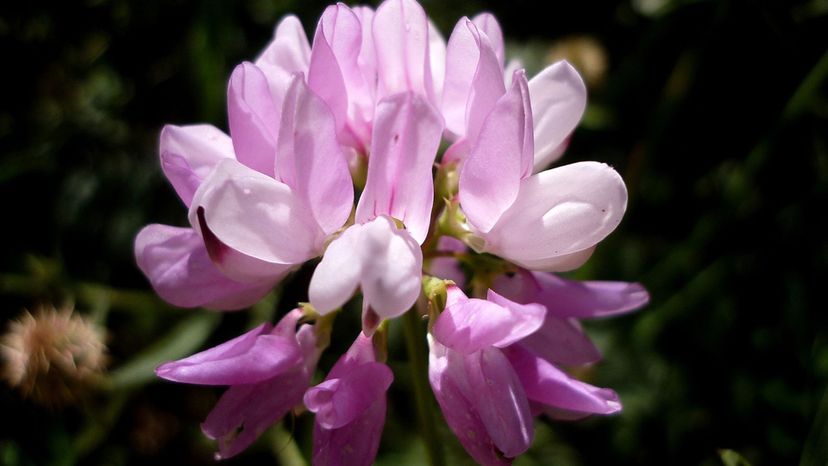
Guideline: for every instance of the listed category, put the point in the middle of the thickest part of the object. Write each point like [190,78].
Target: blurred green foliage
[714,112]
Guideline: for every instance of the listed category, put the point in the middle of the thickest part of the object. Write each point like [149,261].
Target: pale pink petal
[456,153]
[407,131]
[455,296]
[342,32]
[364,99]
[572,298]
[189,154]
[436,62]
[590,299]
[255,215]
[500,400]
[486,88]
[546,384]
[559,414]
[310,160]
[229,349]
[473,82]
[367,59]
[487,24]
[560,212]
[401,42]
[250,358]
[289,50]
[462,55]
[562,341]
[325,77]
[392,268]
[447,376]
[344,25]
[558,102]
[253,115]
[471,325]
[500,159]
[245,411]
[384,261]
[337,276]
[508,72]
[287,54]
[180,271]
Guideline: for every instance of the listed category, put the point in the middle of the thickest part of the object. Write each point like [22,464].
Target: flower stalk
[414,342]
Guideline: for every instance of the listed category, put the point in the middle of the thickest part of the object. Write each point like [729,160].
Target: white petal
[336,278]
[385,261]
[560,212]
[256,215]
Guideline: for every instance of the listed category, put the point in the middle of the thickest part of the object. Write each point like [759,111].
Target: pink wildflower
[267,369]
[350,408]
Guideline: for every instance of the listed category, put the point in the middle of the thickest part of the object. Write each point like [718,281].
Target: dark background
[714,112]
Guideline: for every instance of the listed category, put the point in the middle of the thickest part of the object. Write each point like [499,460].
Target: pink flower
[350,408]
[298,191]
[285,219]
[486,380]
[482,401]
[374,95]
[176,260]
[267,369]
[374,255]
[549,221]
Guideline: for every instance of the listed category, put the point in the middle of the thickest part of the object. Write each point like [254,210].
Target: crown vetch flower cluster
[367,105]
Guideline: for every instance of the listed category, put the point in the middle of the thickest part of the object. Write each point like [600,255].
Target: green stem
[285,448]
[414,338]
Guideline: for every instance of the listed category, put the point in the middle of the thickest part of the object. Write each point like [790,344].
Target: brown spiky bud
[53,356]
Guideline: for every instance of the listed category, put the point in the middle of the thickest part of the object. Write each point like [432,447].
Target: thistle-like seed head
[53,356]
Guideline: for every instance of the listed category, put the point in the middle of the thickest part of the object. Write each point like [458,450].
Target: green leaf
[732,458]
[815,452]
[184,339]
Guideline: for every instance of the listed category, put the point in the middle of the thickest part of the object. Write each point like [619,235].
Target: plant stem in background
[414,338]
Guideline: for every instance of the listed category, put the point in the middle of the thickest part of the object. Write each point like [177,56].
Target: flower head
[363,108]
[53,356]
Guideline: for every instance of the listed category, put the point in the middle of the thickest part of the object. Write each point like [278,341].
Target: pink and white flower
[383,88]
[488,381]
[374,255]
[548,221]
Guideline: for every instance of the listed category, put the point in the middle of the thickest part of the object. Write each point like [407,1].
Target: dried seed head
[53,356]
